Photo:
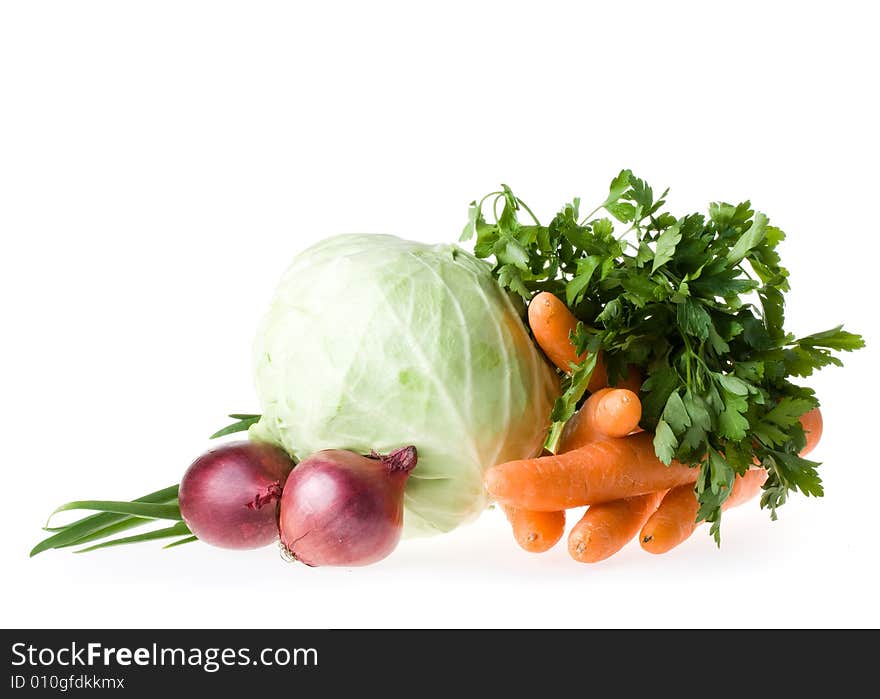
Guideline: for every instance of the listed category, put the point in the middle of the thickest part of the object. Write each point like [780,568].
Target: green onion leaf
[242,422]
[124,525]
[139,509]
[75,531]
[179,529]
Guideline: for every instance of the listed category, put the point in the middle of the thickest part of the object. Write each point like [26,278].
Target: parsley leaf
[666,246]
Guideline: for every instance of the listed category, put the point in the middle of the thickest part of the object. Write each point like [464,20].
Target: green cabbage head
[373,342]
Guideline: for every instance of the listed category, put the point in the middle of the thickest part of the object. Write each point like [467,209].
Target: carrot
[676,517]
[617,413]
[552,324]
[538,531]
[812,424]
[535,531]
[673,522]
[580,429]
[608,527]
[745,487]
[597,472]
[609,412]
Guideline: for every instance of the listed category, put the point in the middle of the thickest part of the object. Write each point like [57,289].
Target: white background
[161,162]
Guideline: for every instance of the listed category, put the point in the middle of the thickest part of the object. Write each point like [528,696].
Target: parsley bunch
[696,303]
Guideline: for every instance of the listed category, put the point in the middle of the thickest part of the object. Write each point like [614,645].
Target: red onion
[343,509]
[229,495]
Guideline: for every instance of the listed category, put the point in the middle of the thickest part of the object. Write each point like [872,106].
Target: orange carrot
[608,527]
[617,413]
[597,472]
[676,517]
[673,522]
[745,487]
[552,324]
[535,531]
[609,412]
[539,531]
[812,424]
[580,430]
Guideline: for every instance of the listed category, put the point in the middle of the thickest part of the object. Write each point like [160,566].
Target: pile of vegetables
[633,362]
[688,312]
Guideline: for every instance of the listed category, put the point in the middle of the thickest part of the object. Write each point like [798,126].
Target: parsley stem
[626,233]
[483,200]
[744,271]
[687,358]
[671,277]
[526,207]
[591,214]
